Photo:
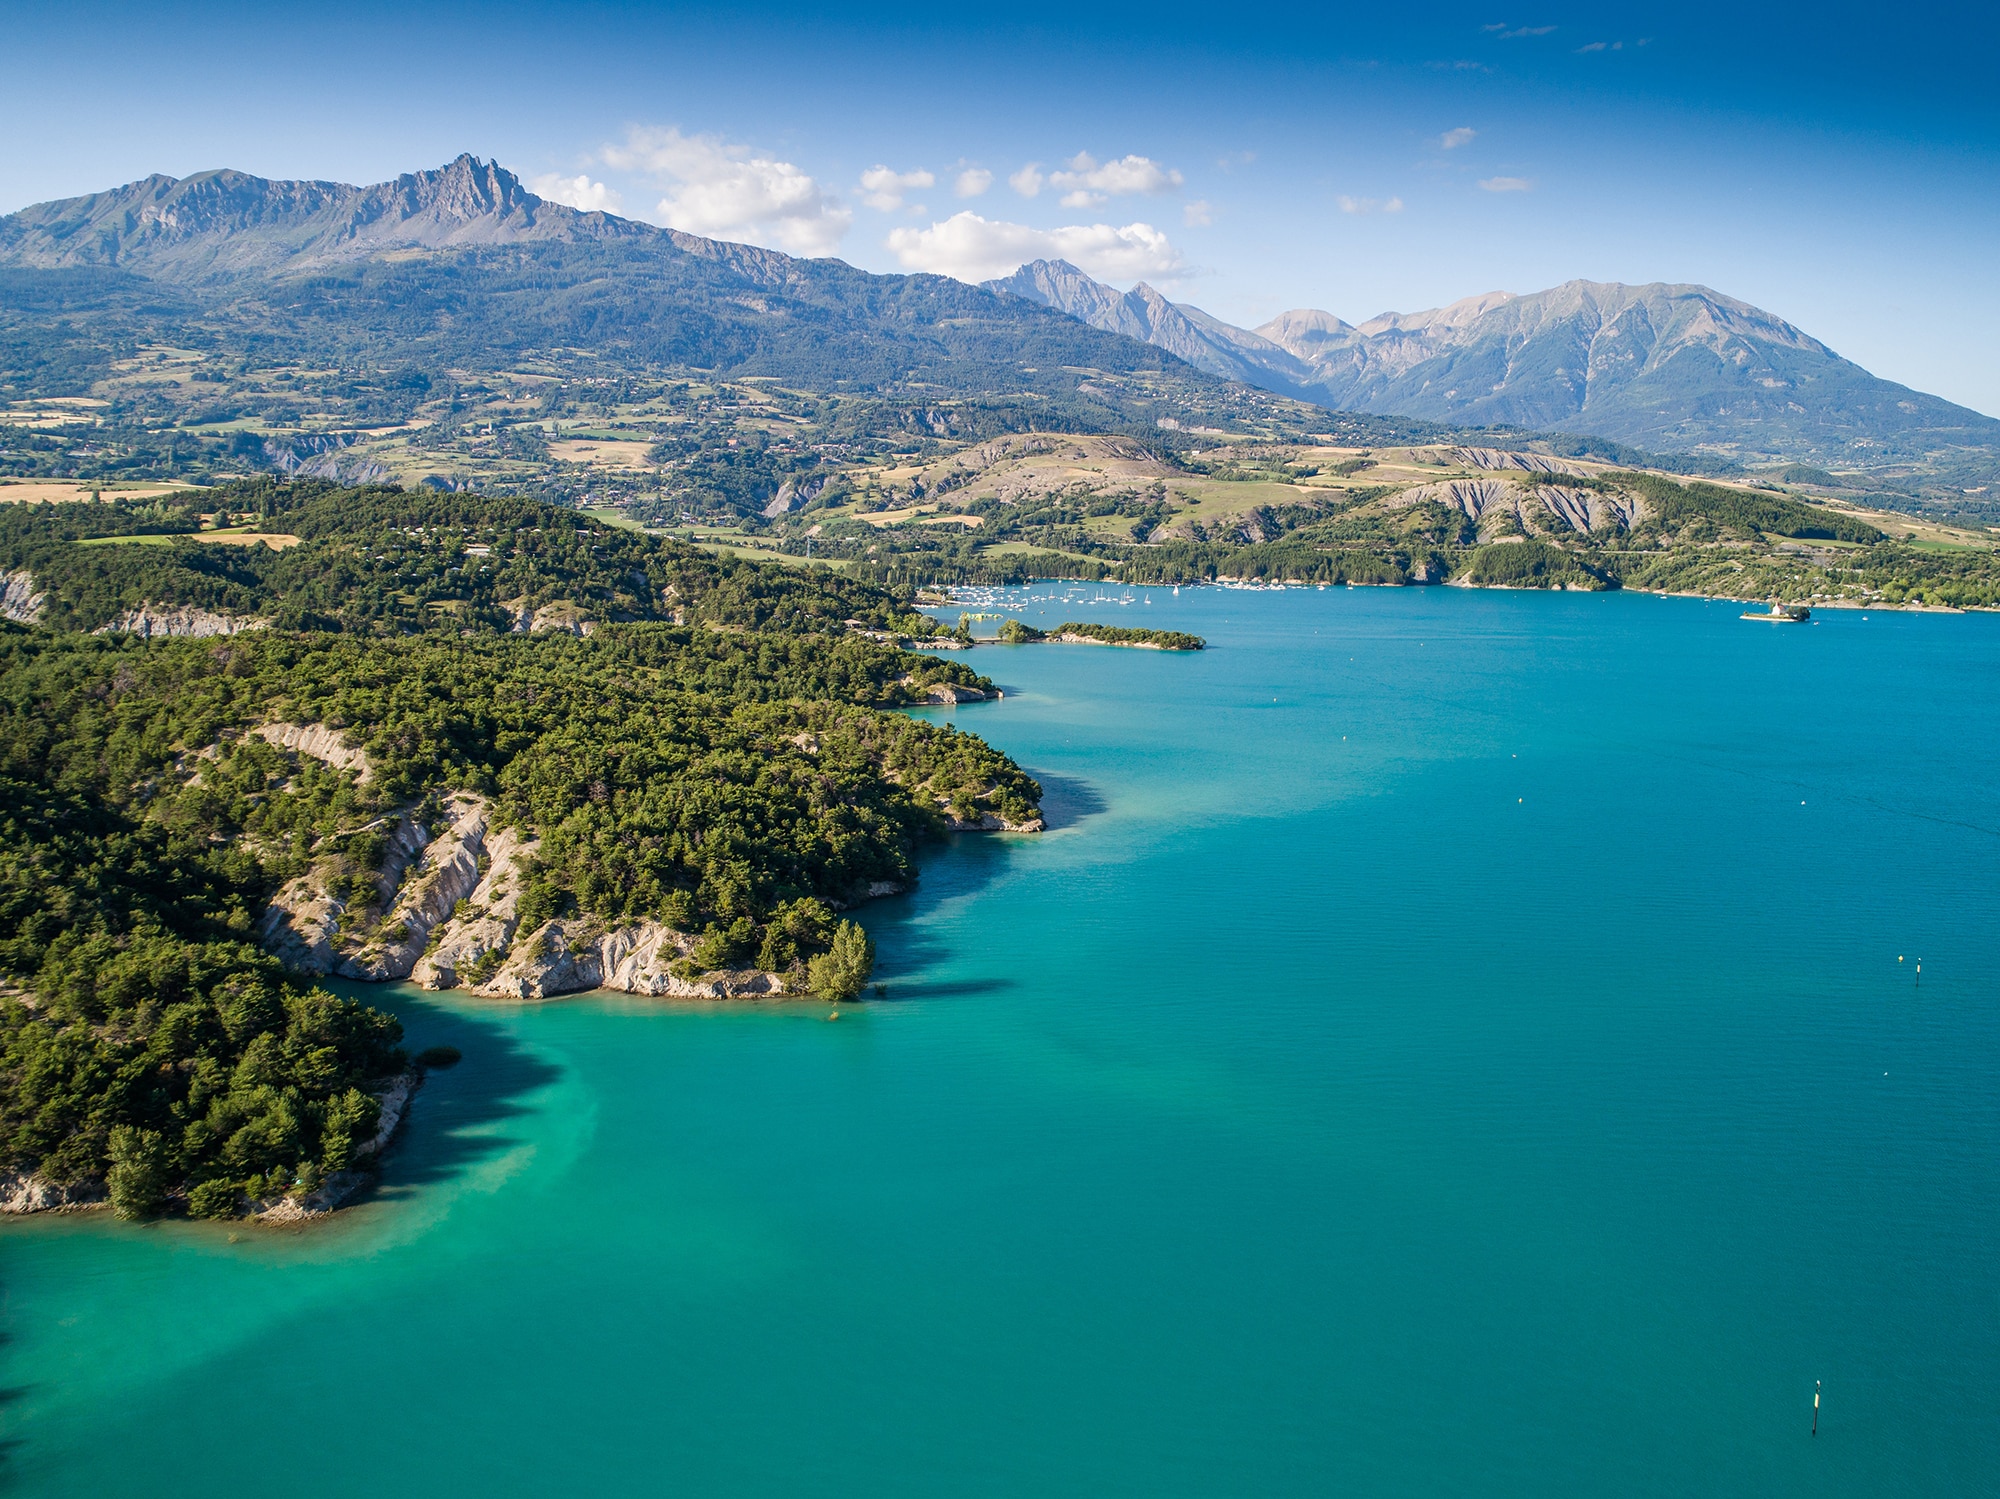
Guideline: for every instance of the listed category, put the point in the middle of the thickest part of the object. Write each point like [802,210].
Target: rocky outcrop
[321,743]
[1497,506]
[150,620]
[20,600]
[318,456]
[1501,458]
[25,1192]
[567,957]
[948,692]
[794,496]
[303,925]
[474,939]
[300,926]
[564,617]
[989,822]
[440,872]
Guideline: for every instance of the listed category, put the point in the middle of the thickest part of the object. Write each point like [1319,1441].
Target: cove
[1446,1043]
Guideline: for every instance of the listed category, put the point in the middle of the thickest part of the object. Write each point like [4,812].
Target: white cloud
[884,189]
[1458,136]
[1028,181]
[1089,183]
[972,248]
[972,182]
[578,192]
[1198,214]
[1506,184]
[716,187]
[1369,205]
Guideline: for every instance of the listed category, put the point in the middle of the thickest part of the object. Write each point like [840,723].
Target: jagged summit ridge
[1666,366]
[1143,313]
[229,222]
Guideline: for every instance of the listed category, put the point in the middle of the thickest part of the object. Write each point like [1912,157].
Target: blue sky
[1838,165]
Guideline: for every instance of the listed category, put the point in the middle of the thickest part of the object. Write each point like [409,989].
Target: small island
[1013,632]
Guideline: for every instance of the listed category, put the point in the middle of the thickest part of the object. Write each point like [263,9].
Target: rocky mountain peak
[466,189]
[1663,365]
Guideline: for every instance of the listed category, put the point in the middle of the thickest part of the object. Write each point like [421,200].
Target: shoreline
[1258,584]
[24,1194]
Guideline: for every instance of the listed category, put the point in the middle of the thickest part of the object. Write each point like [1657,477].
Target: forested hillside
[431,786]
[1317,513]
[381,560]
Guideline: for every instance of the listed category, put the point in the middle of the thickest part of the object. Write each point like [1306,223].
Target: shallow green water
[1451,1043]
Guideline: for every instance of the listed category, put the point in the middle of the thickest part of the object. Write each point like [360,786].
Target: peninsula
[480,744]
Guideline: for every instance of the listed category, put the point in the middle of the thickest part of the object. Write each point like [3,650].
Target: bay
[1446,1043]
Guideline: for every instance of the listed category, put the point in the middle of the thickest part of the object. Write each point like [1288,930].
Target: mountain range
[463,267]
[1666,367]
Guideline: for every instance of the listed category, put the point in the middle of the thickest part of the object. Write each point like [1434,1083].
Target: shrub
[215,1198]
[840,972]
[139,1175]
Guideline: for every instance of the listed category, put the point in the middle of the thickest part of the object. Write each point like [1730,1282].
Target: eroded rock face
[425,873]
[1492,503]
[20,600]
[298,928]
[989,822]
[316,740]
[946,692]
[1496,458]
[24,1192]
[565,617]
[150,620]
[567,957]
[487,927]
[441,872]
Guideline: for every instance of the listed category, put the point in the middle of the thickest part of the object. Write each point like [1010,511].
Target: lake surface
[1450,1043]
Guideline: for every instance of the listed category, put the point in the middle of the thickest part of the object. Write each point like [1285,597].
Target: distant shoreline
[1278,584]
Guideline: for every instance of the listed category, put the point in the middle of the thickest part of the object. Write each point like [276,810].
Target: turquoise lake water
[1450,1043]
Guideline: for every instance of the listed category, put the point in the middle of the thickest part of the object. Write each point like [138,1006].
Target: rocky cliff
[444,913]
[150,620]
[422,884]
[643,957]
[1502,507]
[328,746]
[477,937]
[20,600]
